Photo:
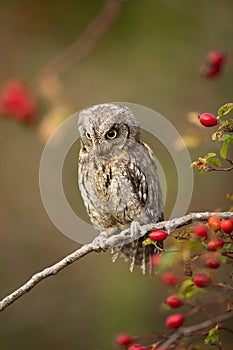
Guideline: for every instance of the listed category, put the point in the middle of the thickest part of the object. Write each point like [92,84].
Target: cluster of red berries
[226,225]
[215,244]
[175,320]
[17,102]
[201,280]
[169,278]
[214,63]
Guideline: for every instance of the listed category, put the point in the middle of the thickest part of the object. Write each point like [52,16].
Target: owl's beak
[101,148]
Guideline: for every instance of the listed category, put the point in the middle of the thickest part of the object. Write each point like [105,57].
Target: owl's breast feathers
[115,190]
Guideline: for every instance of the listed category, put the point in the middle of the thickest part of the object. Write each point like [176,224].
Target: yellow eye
[88,136]
[111,134]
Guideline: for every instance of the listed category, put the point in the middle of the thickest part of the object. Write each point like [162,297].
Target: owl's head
[108,126]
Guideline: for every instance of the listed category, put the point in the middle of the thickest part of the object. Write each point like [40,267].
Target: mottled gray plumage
[117,175]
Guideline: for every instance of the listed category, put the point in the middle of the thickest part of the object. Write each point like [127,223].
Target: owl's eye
[111,134]
[88,136]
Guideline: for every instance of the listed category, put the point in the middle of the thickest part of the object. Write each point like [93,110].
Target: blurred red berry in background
[216,58]
[215,244]
[200,231]
[169,278]
[174,301]
[212,263]
[202,280]
[156,259]
[17,102]
[123,339]
[214,63]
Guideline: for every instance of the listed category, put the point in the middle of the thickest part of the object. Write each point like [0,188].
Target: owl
[117,177]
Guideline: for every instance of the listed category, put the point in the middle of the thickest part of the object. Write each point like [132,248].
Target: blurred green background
[150,56]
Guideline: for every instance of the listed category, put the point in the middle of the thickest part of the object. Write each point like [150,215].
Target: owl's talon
[135,228]
[99,244]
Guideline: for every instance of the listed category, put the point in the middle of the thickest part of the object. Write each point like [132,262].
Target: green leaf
[147,241]
[201,170]
[209,155]
[223,259]
[226,137]
[186,289]
[213,337]
[212,159]
[224,149]
[225,109]
[191,245]
[168,260]
[227,247]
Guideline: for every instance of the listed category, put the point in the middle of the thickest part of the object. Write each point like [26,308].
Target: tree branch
[120,239]
[39,276]
[88,39]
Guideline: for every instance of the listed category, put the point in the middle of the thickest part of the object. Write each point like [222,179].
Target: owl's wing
[138,180]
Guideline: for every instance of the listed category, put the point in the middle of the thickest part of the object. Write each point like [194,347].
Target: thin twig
[226,329]
[88,39]
[49,271]
[210,168]
[229,161]
[121,238]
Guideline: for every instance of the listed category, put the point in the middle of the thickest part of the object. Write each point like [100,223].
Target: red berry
[208,119]
[169,278]
[174,301]
[156,259]
[134,347]
[212,263]
[216,58]
[158,235]
[215,244]
[17,102]
[211,71]
[123,339]
[201,231]
[227,225]
[214,222]
[202,280]
[175,320]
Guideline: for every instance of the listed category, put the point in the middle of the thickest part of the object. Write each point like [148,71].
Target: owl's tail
[137,254]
